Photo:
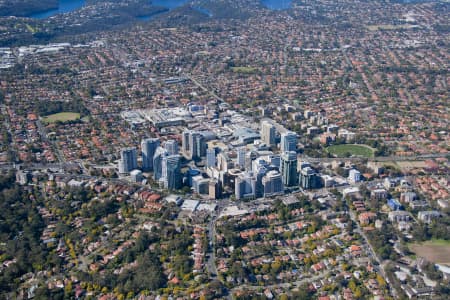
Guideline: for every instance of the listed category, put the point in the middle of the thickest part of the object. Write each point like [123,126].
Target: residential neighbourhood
[294,153]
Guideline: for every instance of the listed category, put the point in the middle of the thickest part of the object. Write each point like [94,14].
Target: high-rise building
[288,141]
[241,157]
[160,153]
[309,179]
[268,133]
[171,172]
[210,157]
[260,172]
[128,160]
[245,185]
[214,189]
[250,156]
[136,176]
[224,162]
[200,185]
[273,184]
[148,147]
[197,145]
[258,163]
[289,168]
[275,160]
[171,146]
[185,142]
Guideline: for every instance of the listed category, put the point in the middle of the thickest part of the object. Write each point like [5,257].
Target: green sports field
[62,117]
[352,149]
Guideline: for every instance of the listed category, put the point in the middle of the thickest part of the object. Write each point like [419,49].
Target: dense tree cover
[438,229]
[379,239]
[45,108]
[142,268]
[147,275]
[21,227]
[431,270]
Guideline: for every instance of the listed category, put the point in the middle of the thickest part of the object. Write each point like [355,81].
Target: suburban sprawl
[223,150]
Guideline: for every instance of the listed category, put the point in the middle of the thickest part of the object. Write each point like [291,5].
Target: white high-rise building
[288,141]
[160,153]
[268,133]
[273,184]
[354,176]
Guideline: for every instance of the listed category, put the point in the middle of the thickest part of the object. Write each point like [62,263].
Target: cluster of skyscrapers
[194,144]
[164,162]
[249,172]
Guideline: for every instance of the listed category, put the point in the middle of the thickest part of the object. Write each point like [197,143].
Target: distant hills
[22,8]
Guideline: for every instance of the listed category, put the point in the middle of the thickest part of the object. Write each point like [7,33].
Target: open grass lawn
[62,117]
[437,251]
[390,27]
[352,149]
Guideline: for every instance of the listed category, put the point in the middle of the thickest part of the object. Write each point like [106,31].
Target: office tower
[250,156]
[223,162]
[185,143]
[288,141]
[197,145]
[160,153]
[171,146]
[268,133]
[214,189]
[309,179]
[128,160]
[148,147]
[245,185]
[241,158]
[136,176]
[200,185]
[259,163]
[211,157]
[289,168]
[275,160]
[260,172]
[273,184]
[171,172]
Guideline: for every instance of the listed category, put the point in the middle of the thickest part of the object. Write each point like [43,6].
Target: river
[66,6]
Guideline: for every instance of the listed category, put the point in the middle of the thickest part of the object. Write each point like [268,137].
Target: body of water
[276,4]
[170,4]
[64,7]
[71,5]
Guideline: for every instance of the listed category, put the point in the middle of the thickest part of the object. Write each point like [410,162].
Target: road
[372,252]
[13,147]
[211,263]
[378,158]
[287,284]
[202,87]
[43,132]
